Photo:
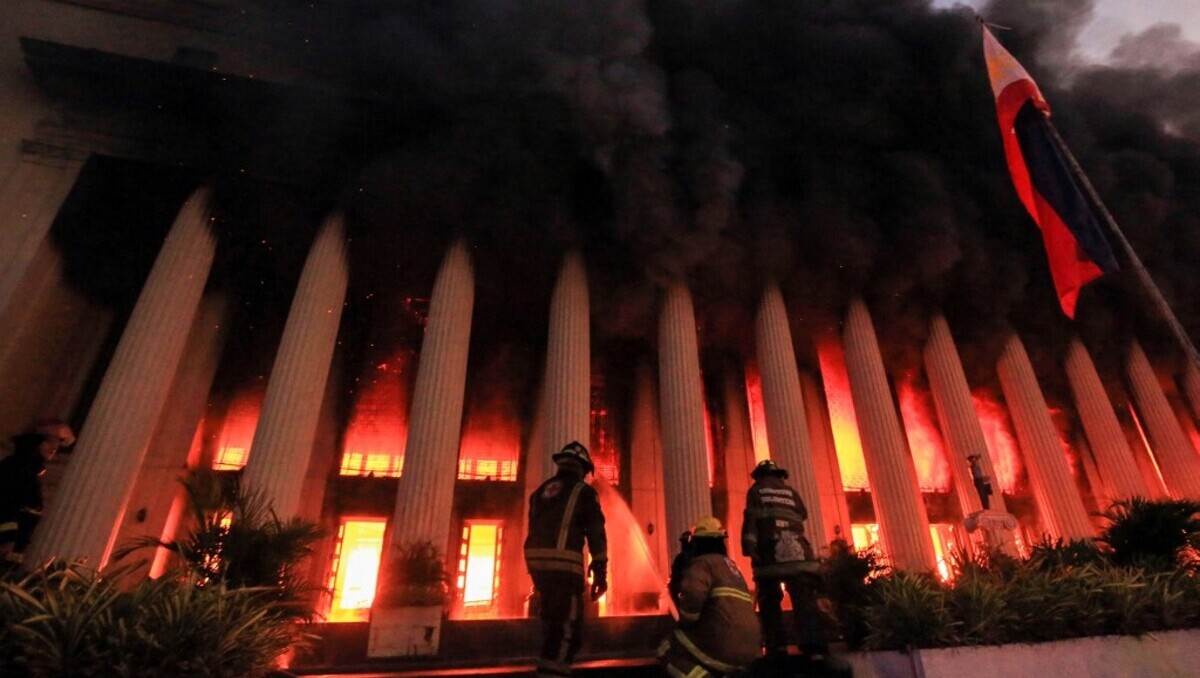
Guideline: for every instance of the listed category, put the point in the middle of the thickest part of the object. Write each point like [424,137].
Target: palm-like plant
[1151,534]
[236,539]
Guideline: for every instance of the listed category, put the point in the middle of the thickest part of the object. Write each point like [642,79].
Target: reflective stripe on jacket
[773,530]
[564,512]
[718,627]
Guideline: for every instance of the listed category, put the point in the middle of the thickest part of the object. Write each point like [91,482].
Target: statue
[983,484]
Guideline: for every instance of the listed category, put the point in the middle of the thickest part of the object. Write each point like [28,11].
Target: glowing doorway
[355,568]
[478,575]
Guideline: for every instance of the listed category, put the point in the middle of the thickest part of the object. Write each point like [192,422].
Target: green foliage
[415,577]
[909,610]
[1142,582]
[848,577]
[237,540]
[1151,534]
[67,621]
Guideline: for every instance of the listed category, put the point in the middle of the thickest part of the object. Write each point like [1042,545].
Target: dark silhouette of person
[564,512]
[21,484]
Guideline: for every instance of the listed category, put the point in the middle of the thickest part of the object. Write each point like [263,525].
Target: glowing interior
[489,451]
[478,565]
[237,431]
[924,438]
[758,415]
[377,432]
[842,418]
[1002,446]
[355,568]
[945,543]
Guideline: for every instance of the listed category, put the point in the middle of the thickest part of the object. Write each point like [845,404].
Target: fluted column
[1114,460]
[739,461]
[957,415]
[903,525]
[825,462]
[1062,510]
[1191,386]
[681,394]
[166,462]
[83,520]
[568,363]
[646,469]
[425,494]
[1177,459]
[783,403]
[291,410]
[30,199]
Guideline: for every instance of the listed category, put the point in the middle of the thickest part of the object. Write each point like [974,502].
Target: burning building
[381,266]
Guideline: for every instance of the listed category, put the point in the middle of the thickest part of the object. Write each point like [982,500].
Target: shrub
[67,621]
[847,577]
[1151,534]
[415,577]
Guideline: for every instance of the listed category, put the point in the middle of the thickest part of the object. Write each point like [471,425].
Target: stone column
[1061,507]
[825,462]
[957,415]
[783,402]
[1191,386]
[1175,455]
[29,202]
[425,494]
[681,394]
[646,470]
[903,525]
[291,410]
[568,363]
[739,461]
[83,520]
[166,462]
[1115,464]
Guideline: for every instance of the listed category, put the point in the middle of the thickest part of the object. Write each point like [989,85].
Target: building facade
[211,262]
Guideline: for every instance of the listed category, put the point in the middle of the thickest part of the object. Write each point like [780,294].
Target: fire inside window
[478,574]
[487,469]
[604,450]
[355,568]
[229,459]
[945,542]
[377,464]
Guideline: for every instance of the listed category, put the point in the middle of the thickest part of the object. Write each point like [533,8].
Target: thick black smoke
[840,147]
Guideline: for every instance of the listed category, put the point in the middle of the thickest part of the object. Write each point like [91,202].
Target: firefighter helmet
[768,467]
[575,450]
[57,429]
[708,527]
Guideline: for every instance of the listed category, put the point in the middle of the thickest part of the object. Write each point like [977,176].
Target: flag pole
[1143,276]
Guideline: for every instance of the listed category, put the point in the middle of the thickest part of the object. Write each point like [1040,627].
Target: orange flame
[758,414]
[237,430]
[924,438]
[841,416]
[1002,446]
[490,447]
[378,430]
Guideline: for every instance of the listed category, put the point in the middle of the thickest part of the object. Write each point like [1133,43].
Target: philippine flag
[1075,245]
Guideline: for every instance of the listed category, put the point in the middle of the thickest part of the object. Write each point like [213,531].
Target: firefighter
[564,512]
[21,485]
[781,556]
[717,633]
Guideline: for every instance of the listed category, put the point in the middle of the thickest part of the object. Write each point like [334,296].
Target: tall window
[355,568]
[478,576]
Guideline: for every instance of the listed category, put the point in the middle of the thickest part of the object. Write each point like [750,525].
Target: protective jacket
[563,512]
[773,530]
[718,631]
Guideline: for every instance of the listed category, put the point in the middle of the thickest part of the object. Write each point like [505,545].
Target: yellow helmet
[708,527]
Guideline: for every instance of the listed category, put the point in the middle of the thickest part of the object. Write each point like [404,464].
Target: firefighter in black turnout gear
[564,512]
[781,556]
